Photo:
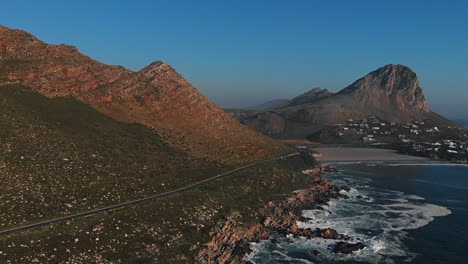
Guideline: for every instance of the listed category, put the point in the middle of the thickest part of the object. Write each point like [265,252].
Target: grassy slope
[59,156]
[170,230]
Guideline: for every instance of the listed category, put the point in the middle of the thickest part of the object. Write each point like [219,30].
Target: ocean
[462,122]
[416,213]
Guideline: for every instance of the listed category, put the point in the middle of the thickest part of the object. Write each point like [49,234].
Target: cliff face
[231,243]
[157,97]
[396,85]
[391,93]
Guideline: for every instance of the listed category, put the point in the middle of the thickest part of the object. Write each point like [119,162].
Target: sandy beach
[362,154]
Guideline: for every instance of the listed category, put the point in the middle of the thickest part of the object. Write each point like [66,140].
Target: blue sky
[244,52]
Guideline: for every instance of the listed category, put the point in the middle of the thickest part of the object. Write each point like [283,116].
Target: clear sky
[244,52]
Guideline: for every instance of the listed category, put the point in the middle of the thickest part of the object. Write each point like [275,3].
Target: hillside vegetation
[59,156]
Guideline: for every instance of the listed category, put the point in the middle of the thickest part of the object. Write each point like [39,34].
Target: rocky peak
[393,83]
[316,90]
[19,36]
[156,69]
[53,70]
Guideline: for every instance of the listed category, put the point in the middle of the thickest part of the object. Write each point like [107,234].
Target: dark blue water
[402,213]
[462,121]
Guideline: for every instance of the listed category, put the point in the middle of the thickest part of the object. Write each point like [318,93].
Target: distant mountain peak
[393,83]
[154,64]
[156,68]
[317,89]
[311,96]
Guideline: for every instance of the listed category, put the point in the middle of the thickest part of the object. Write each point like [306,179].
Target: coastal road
[130,203]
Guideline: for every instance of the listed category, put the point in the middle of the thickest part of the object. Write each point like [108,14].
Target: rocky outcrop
[395,85]
[231,242]
[328,233]
[157,97]
[347,248]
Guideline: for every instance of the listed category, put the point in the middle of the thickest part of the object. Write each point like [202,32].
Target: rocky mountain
[391,93]
[395,86]
[157,97]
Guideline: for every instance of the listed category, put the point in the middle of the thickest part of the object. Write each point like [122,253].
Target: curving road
[156,196]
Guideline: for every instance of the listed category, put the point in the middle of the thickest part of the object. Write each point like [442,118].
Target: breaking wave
[376,217]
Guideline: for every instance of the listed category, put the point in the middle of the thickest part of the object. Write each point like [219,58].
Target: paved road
[156,196]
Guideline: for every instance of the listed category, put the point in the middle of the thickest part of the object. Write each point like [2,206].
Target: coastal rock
[231,242]
[328,233]
[328,168]
[347,248]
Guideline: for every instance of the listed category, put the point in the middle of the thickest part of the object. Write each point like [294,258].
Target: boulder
[347,248]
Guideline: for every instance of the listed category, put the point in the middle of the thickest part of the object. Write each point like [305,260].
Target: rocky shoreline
[231,242]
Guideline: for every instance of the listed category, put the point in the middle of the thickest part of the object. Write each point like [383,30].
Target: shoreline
[232,241]
[334,153]
[337,154]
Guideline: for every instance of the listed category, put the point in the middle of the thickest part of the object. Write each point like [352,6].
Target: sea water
[416,213]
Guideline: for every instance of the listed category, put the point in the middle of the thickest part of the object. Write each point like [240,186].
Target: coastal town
[420,138]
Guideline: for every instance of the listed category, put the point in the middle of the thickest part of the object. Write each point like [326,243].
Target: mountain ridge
[156,96]
[391,93]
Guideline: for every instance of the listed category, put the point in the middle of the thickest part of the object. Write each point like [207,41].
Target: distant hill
[391,93]
[310,97]
[307,97]
[270,104]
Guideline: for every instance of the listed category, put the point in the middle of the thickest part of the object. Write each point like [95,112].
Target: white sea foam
[378,218]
